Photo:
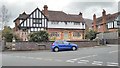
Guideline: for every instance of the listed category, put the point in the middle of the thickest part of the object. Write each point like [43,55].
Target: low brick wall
[85,43]
[34,46]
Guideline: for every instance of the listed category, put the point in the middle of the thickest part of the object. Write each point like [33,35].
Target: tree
[4,15]
[40,36]
[7,34]
[90,35]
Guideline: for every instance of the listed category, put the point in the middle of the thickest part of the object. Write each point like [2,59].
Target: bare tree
[5,16]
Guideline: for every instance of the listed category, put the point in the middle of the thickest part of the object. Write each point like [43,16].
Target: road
[89,56]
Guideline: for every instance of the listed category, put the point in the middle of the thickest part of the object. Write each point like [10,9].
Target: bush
[41,36]
[90,35]
[7,34]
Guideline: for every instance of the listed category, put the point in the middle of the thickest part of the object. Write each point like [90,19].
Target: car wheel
[56,49]
[74,48]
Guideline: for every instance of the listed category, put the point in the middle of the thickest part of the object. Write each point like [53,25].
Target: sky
[87,7]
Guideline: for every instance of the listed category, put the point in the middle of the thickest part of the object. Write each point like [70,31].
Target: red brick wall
[17,22]
[70,33]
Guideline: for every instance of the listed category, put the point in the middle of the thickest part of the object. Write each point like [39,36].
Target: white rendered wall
[70,25]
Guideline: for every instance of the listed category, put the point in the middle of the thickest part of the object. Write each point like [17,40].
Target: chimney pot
[45,6]
[94,15]
[104,12]
[45,11]
[80,13]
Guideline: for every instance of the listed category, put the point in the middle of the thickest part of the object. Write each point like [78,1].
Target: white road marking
[23,57]
[73,60]
[86,57]
[38,58]
[97,62]
[17,56]
[112,64]
[83,61]
[113,51]
[58,60]
[49,59]
[30,57]
[112,45]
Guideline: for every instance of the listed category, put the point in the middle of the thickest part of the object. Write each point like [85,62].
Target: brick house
[106,23]
[58,24]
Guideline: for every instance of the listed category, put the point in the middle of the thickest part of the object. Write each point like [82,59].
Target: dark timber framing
[35,21]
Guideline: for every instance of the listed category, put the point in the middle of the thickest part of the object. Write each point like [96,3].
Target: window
[56,34]
[65,23]
[76,34]
[115,24]
[22,33]
[32,29]
[66,43]
[76,23]
[99,27]
[110,25]
[59,42]
[36,20]
[54,23]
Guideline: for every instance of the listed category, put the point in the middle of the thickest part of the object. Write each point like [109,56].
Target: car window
[66,43]
[60,42]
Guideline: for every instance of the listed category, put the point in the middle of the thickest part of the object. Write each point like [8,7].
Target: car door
[61,45]
[67,45]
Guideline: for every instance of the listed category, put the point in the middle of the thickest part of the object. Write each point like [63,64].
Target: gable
[35,20]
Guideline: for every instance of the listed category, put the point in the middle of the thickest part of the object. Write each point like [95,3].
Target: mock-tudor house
[106,23]
[58,24]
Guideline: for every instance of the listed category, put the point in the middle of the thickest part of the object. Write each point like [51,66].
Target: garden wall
[34,46]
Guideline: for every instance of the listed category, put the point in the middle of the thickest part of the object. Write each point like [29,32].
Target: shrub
[90,35]
[40,36]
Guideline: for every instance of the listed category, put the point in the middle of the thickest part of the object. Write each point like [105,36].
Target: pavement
[89,56]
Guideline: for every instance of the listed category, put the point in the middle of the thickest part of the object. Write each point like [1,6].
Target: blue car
[63,45]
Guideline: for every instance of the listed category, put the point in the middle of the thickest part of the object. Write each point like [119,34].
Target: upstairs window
[66,23]
[54,23]
[36,20]
[76,23]
[110,25]
[115,24]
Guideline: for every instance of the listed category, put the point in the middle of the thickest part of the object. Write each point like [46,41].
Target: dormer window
[54,23]
[76,23]
[65,23]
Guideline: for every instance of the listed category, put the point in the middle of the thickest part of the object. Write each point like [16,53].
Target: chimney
[94,23]
[45,11]
[80,14]
[103,13]
[103,21]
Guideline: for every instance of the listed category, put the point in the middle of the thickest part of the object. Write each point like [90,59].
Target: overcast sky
[87,7]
